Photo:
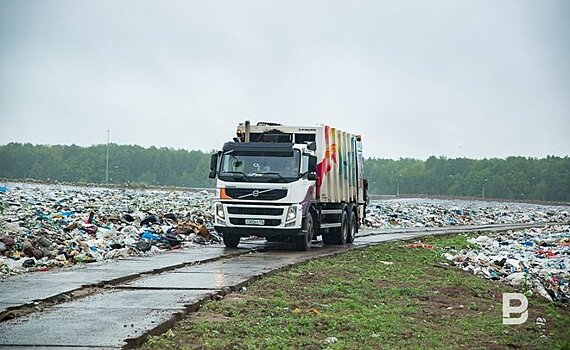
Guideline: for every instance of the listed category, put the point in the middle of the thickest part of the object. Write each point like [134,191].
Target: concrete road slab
[31,289]
[255,262]
[198,280]
[136,299]
[163,261]
[101,320]
[25,347]
[25,289]
[6,306]
[223,267]
[367,240]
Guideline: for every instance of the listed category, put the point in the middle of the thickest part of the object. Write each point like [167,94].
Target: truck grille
[255,211]
[262,194]
[268,222]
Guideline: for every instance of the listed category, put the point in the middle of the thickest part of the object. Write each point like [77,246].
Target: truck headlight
[220,210]
[291,213]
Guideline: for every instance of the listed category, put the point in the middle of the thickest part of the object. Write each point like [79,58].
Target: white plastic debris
[516,278]
[537,258]
[331,340]
[449,256]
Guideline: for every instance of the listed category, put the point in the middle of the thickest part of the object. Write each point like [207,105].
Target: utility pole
[107,172]
[483,189]
[398,187]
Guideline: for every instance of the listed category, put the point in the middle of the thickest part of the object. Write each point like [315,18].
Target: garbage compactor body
[289,183]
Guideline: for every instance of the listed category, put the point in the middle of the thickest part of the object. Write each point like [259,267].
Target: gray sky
[416,78]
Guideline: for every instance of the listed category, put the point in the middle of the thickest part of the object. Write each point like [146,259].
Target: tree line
[520,178]
[128,164]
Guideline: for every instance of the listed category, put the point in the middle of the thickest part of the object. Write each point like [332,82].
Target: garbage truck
[289,183]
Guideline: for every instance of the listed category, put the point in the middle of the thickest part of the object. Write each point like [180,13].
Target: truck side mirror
[312,168]
[213,166]
[312,164]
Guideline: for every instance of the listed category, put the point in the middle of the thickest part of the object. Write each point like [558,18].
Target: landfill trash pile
[46,226]
[441,213]
[536,258]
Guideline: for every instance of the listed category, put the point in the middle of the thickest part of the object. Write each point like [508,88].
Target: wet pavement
[29,288]
[138,296]
[100,320]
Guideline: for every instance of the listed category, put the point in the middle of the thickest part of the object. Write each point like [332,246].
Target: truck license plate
[258,222]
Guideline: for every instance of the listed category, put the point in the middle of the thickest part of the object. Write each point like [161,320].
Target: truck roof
[274,132]
[256,147]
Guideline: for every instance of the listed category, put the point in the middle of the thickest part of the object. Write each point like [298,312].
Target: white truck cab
[270,183]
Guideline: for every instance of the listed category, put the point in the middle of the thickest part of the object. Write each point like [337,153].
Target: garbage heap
[46,226]
[536,259]
[441,213]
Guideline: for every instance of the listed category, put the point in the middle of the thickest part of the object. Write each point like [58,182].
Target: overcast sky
[473,79]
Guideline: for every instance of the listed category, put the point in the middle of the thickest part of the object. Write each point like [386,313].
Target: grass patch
[382,297]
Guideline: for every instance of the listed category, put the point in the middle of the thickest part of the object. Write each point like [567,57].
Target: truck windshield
[237,166]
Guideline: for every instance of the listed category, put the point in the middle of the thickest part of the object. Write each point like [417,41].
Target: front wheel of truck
[231,240]
[303,242]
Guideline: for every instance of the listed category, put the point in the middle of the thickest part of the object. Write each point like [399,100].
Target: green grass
[383,297]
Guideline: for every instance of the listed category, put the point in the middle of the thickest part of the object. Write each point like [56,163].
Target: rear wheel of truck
[303,242]
[338,235]
[342,235]
[351,227]
[231,240]
[329,238]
